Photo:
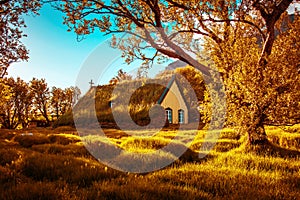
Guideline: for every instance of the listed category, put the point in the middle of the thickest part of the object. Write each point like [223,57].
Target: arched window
[169,115]
[180,116]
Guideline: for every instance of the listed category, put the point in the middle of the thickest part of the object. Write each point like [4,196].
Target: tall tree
[261,87]
[11,24]
[57,100]
[8,111]
[23,98]
[62,101]
[16,103]
[175,28]
[41,97]
[72,97]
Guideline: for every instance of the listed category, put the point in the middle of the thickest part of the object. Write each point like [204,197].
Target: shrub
[29,140]
[64,120]
[63,139]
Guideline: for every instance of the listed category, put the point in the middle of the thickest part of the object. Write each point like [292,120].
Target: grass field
[54,164]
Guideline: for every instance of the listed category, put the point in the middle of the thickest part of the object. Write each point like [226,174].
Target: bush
[29,140]
[63,139]
[64,120]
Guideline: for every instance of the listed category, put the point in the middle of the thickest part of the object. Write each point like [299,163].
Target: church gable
[173,101]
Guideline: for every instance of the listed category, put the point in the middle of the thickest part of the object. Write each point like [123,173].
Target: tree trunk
[256,131]
[57,112]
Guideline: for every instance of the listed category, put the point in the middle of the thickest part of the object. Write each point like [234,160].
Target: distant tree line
[22,102]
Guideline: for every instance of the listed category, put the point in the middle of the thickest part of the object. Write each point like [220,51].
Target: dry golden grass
[53,164]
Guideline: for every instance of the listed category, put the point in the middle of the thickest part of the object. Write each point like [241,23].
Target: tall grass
[53,164]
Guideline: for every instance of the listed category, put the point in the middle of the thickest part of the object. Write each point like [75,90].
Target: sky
[57,56]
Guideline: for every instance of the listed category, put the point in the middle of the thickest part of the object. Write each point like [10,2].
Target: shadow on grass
[269,149]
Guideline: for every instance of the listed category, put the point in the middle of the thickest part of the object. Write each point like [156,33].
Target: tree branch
[3,2]
[178,4]
[240,21]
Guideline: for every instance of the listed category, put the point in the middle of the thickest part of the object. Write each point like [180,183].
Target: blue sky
[55,54]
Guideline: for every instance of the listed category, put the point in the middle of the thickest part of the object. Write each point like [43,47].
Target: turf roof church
[171,98]
[174,103]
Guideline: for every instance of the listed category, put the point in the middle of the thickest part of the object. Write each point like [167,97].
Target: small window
[180,116]
[111,104]
[169,115]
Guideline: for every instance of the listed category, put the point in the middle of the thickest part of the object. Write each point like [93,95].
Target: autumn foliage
[11,31]
[23,102]
[243,40]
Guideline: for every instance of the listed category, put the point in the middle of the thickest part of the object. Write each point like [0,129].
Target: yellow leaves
[113,41]
[11,47]
[5,92]
[238,57]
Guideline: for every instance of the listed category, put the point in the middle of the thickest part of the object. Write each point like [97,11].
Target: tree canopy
[22,102]
[11,23]
[245,40]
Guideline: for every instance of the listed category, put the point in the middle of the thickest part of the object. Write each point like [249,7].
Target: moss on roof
[141,95]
